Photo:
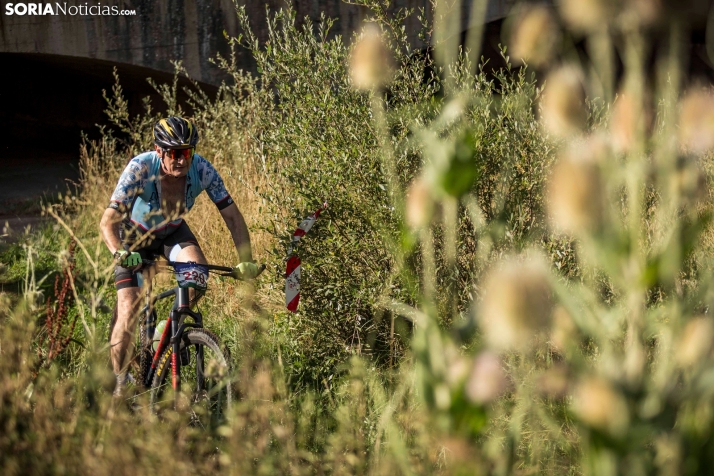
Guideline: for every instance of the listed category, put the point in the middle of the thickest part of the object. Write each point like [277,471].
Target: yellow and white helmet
[175,132]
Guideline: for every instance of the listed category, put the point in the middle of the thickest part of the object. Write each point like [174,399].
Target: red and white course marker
[292,270]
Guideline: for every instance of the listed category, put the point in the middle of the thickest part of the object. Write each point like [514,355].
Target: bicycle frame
[175,328]
[172,335]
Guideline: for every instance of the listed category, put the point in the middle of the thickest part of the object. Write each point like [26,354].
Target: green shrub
[321,143]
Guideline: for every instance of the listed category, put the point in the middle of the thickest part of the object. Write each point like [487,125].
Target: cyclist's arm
[131,180]
[109,227]
[212,183]
[239,231]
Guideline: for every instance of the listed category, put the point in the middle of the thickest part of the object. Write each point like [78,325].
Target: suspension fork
[163,344]
[181,307]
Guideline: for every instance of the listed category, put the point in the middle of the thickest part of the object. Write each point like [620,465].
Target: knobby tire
[145,352]
[218,395]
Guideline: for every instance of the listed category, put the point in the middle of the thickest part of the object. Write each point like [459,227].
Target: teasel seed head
[371,60]
[587,16]
[695,342]
[598,404]
[696,121]
[563,112]
[535,35]
[517,303]
[419,204]
[576,189]
[487,380]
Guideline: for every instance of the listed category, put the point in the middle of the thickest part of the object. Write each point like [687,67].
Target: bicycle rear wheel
[205,382]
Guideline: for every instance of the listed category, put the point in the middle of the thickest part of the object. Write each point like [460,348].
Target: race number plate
[192,275]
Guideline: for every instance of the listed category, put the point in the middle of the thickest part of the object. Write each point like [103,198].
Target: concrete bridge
[151,34]
[58,56]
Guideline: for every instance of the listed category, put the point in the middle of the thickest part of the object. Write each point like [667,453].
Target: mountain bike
[189,360]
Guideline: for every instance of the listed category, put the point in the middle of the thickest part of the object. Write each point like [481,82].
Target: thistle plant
[621,346]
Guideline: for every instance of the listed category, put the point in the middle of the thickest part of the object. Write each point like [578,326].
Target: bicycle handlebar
[226,270]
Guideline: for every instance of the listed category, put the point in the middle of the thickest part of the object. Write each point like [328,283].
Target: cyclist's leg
[121,340]
[182,246]
[193,253]
[129,300]
[128,304]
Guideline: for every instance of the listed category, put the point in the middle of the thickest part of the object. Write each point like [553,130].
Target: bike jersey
[139,190]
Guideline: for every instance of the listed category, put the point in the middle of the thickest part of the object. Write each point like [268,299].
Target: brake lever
[260,270]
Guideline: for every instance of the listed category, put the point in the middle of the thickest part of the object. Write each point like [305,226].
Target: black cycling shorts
[164,242]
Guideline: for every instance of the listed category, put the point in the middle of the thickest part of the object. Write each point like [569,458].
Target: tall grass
[511,276]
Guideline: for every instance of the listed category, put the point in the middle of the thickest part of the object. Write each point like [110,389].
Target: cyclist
[145,216]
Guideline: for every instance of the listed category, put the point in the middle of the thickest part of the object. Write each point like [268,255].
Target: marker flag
[292,270]
[292,283]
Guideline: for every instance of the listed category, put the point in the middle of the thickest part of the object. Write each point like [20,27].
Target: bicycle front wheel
[206,390]
[145,352]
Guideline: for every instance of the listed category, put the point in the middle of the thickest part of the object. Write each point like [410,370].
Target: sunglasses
[177,154]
